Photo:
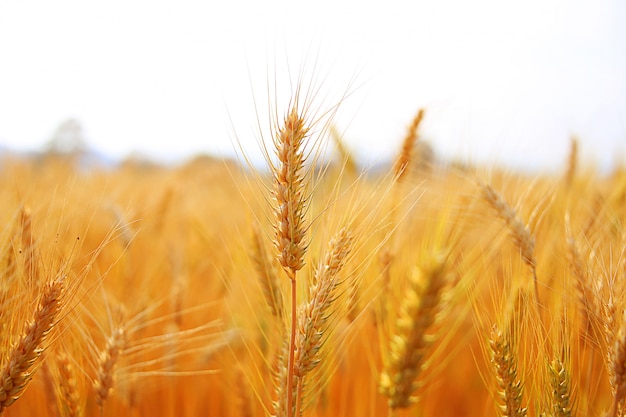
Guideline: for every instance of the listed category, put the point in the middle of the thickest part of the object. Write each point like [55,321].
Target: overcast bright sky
[507,81]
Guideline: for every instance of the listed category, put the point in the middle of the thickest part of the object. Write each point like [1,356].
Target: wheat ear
[68,386]
[313,316]
[617,360]
[28,244]
[291,204]
[522,237]
[408,347]
[510,388]
[561,392]
[289,193]
[17,370]
[403,160]
[106,365]
[587,297]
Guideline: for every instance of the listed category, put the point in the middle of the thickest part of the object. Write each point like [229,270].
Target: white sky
[500,80]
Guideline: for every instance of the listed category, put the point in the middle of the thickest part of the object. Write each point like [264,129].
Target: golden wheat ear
[103,384]
[313,317]
[290,210]
[291,200]
[617,367]
[313,325]
[409,345]
[18,367]
[510,387]
[401,165]
[522,237]
[69,401]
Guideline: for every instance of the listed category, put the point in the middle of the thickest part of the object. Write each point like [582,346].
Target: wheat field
[310,286]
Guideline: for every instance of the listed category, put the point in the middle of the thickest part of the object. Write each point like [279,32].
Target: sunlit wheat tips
[406,155]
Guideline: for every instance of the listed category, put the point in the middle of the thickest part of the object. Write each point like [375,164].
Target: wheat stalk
[17,370]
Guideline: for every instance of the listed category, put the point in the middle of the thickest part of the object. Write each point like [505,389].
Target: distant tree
[68,138]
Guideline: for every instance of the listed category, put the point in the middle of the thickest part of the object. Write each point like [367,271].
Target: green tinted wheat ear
[510,388]
[18,367]
[409,345]
[561,392]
